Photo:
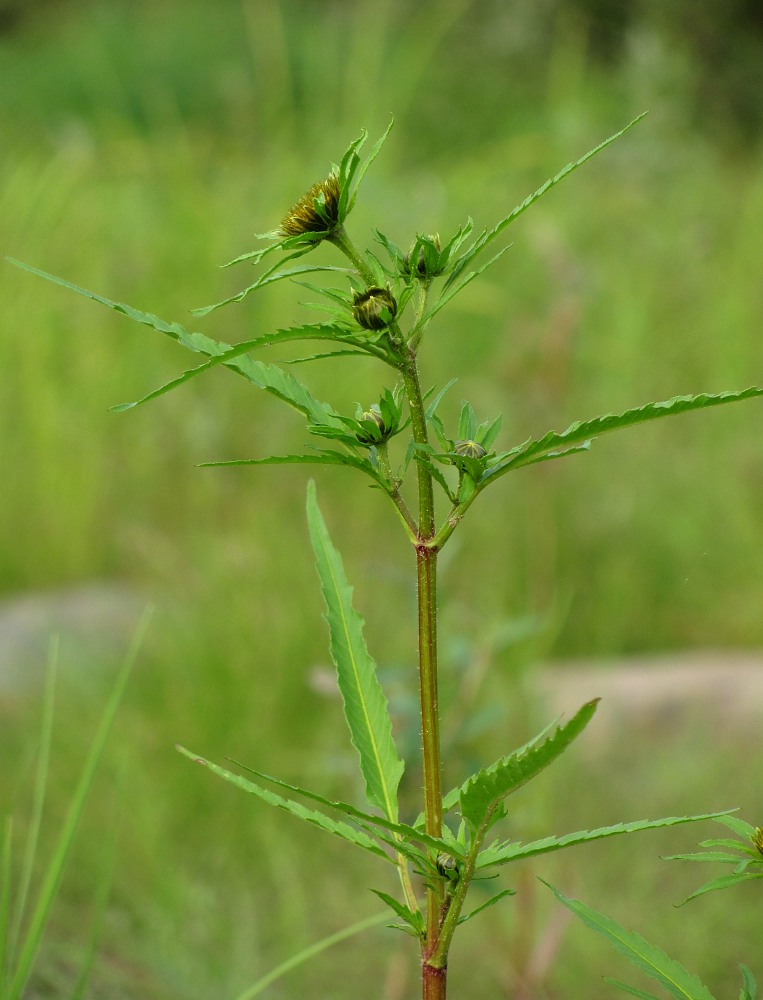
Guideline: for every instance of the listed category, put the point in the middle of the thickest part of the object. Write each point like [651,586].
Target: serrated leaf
[487,237]
[263,376]
[484,906]
[365,704]
[484,791]
[269,277]
[368,161]
[414,919]
[311,331]
[402,829]
[502,853]
[318,458]
[652,960]
[582,431]
[722,882]
[716,856]
[313,816]
[745,830]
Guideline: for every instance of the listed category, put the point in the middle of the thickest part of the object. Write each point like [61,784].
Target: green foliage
[384,312]
[670,974]
[364,703]
[24,915]
[746,856]
[483,793]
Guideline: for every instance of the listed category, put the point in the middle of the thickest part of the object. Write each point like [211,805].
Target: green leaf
[263,376]
[487,237]
[365,705]
[414,920]
[402,829]
[670,974]
[307,953]
[369,160]
[631,989]
[490,902]
[744,830]
[53,873]
[582,431]
[717,856]
[501,853]
[318,458]
[313,816]
[481,794]
[268,278]
[722,882]
[749,986]
[311,331]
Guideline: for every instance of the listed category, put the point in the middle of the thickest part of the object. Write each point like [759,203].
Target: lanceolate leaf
[487,237]
[263,376]
[502,853]
[365,705]
[312,331]
[317,458]
[482,793]
[723,882]
[670,974]
[357,814]
[414,920]
[268,278]
[484,906]
[319,819]
[583,431]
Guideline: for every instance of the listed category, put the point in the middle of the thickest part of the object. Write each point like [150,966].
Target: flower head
[374,308]
[317,211]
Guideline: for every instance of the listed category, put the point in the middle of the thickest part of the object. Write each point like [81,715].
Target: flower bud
[424,267]
[757,839]
[469,449]
[375,308]
[377,432]
[317,211]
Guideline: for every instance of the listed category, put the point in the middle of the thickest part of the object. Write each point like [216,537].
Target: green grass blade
[583,431]
[52,877]
[5,902]
[40,788]
[268,377]
[483,791]
[749,986]
[310,952]
[313,816]
[670,974]
[365,704]
[503,853]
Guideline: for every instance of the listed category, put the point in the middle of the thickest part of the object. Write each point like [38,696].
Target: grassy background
[141,145]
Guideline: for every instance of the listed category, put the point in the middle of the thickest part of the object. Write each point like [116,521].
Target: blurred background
[142,144]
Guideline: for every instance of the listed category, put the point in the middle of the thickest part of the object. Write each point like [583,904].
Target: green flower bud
[447,866]
[757,839]
[375,308]
[469,449]
[424,267]
[317,211]
[376,430]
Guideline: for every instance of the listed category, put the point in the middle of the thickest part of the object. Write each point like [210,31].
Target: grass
[136,179]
